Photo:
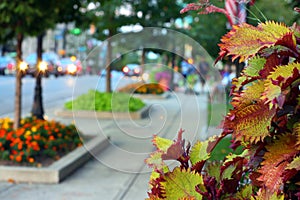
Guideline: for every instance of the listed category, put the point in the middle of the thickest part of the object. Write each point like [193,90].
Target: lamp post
[37,108]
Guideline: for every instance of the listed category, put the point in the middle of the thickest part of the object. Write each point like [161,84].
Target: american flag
[236,11]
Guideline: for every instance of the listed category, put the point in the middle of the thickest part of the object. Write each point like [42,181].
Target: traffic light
[75,31]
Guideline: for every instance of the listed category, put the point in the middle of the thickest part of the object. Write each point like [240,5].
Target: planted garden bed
[106,106]
[145,90]
[42,151]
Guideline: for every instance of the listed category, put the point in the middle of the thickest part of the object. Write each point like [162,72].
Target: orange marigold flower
[20,145]
[2,132]
[31,160]
[36,137]
[20,131]
[19,158]
[28,138]
[51,137]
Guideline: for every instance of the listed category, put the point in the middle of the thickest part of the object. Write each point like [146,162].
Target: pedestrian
[203,69]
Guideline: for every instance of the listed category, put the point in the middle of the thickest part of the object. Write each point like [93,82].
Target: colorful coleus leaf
[296,131]
[255,65]
[250,74]
[271,62]
[263,194]
[213,169]
[161,144]
[277,82]
[231,174]
[249,96]
[251,123]
[245,193]
[276,159]
[155,160]
[170,150]
[181,183]
[201,152]
[246,41]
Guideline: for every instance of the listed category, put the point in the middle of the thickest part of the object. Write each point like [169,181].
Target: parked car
[7,65]
[51,60]
[132,70]
[71,66]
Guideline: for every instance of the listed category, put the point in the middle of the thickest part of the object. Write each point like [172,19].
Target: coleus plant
[264,121]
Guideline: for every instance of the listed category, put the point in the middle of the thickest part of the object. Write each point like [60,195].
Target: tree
[268,10]
[21,19]
[50,13]
[16,19]
[107,18]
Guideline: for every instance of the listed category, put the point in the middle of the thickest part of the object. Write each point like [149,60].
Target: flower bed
[143,88]
[35,141]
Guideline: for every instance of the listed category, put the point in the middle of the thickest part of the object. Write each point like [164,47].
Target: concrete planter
[165,95]
[142,113]
[58,170]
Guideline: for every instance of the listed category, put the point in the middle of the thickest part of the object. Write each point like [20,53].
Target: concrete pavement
[119,172]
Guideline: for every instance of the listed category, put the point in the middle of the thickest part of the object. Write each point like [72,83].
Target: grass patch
[101,101]
[223,148]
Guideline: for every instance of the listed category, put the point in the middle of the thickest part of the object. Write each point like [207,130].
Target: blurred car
[7,65]
[132,70]
[51,60]
[71,66]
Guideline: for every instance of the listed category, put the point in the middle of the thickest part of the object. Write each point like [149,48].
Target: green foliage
[99,101]
[263,123]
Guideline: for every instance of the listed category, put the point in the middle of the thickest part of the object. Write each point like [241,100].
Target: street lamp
[23,66]
[42,66]
[37,108]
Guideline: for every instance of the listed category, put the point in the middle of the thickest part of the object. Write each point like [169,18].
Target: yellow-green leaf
[245,41]
[213,169]
[250,95]
[180,184]
[244,193]
[162,144]
[295,164]
[199,152]
[155,160]
[254,66]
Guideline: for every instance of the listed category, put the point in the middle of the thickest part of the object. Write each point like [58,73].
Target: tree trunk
[108,63]
[18,91]
[37,107]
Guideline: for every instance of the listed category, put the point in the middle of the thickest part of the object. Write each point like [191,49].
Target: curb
[58,170]
[142,113]
[165,95]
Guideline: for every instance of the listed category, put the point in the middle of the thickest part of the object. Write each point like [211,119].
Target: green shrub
[100,101]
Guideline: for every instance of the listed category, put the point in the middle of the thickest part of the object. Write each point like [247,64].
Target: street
[118,172]
[56,91]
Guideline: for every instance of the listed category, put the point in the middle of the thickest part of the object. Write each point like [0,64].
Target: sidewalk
[119,172]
